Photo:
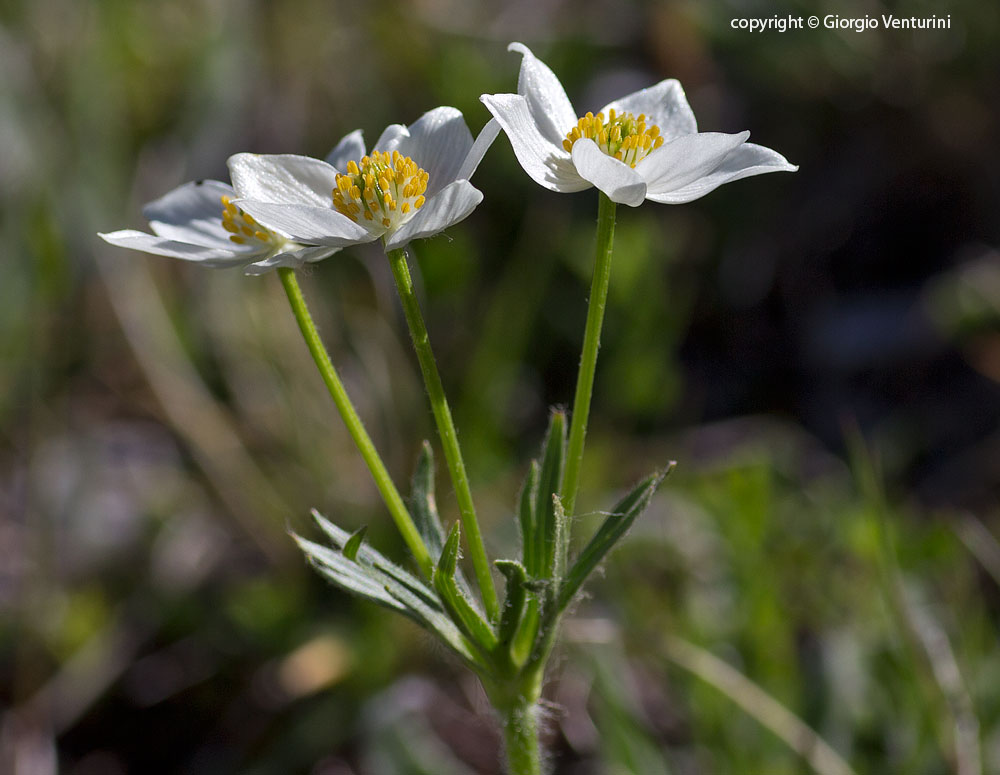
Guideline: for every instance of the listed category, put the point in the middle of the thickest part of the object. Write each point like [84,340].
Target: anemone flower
[413,184]
[643,146]
[198,222]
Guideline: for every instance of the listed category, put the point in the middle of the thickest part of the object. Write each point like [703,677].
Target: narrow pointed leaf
[523,642]
[423,505]
[462,611]
[365,576]
[560,539]
[548,485]
[369,557]
[448,563]
[354,543]
[614,527]
[346,574]
[514,600]
[527,517]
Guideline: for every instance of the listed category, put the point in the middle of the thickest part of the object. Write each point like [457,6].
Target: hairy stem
[520,736]
[354,425]
[446,429]
[588,358]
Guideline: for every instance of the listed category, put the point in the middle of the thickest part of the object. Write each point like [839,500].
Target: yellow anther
[621,136]
[241,225]
[385,187]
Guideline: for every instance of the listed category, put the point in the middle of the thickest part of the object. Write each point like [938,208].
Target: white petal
[449,206]
[685,159]
[620,182]
[479,148]
[352,147]
[748,159]
[283,178]
[307,224]
[311,255]
[438,141]
[664,105]
[547,100]
[545,162]
[160,246]
[292,259]
[191,213]
[389,139]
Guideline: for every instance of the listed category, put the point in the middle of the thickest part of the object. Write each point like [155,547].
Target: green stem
[446,429]
[354,425]
[588,359]
[520,736]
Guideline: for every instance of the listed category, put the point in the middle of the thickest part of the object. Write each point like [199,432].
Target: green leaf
[371,558]
[527,517]
[423,506]
[354,543]
[372,576]
[609,533]
[548,485]
[560,539]
[514,599]
[523,642]
[462,611]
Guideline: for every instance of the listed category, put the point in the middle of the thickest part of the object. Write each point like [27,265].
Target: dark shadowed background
[162,426]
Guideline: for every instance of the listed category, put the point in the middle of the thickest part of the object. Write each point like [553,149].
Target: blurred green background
[162,426]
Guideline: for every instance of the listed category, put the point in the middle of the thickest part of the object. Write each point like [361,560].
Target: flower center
[622,136]
[386,188]
[242,228]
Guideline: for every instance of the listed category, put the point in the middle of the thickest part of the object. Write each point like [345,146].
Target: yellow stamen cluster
[622,136]
[387,188]
[241,226]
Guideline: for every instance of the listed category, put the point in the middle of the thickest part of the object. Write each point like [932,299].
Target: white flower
[413,184]
[199,222]
[643,146]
